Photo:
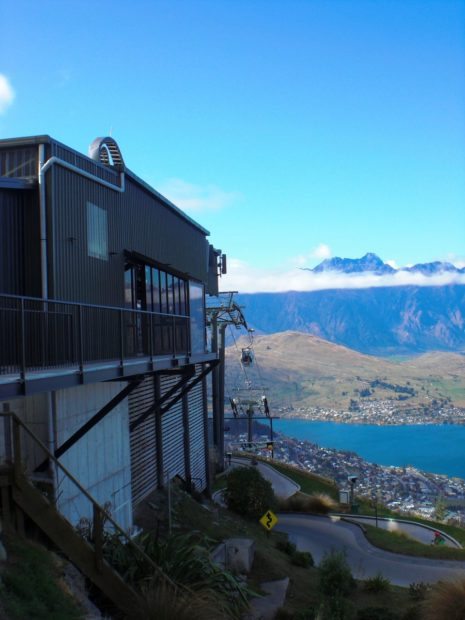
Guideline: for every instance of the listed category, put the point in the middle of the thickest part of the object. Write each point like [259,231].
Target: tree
[248,493]
[440,508]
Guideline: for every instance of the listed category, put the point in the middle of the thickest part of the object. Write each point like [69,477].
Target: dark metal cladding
[19,242]
[139,221]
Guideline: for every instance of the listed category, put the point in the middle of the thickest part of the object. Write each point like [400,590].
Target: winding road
[320,535]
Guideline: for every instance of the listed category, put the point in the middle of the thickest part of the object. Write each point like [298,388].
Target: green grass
[29,585]
[271,563]
[397,542]
[309,483]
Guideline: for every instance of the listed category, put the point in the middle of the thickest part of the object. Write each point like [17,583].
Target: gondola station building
[103,354]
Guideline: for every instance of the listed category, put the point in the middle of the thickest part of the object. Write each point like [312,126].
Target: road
[320,535]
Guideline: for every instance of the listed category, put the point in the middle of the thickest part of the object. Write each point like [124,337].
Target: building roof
[46,139]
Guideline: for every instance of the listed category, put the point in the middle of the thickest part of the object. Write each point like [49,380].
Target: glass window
[169,287]
[163,293]
[128,287]
[197,317]
[148,288]
[97,232]
[155,290]
[182,297]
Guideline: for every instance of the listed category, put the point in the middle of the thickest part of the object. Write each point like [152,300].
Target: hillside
[392,320]
[302,370]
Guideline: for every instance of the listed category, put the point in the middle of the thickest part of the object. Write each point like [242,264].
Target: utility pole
[221,312]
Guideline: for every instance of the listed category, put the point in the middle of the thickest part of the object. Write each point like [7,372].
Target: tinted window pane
[182,309]
[155,290]
[163,293]
[97,232]
[128,287]
[197,317]
[169,286]
[176,294]
[148,289]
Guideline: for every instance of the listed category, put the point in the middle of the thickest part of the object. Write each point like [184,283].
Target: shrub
[376,584]
[419,590]
[336,608]
[248,493]
[377,613]
[446,601]
[319,503]
[412,613]
[335,575]
[286,546]
[302,558]
[159,601]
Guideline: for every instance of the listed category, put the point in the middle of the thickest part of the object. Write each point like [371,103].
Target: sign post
[269,520]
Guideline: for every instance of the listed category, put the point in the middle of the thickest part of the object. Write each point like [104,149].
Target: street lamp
[352,481]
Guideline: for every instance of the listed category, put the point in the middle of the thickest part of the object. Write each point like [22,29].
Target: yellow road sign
[269,520]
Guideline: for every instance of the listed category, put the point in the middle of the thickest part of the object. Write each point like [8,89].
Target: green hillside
[302,370]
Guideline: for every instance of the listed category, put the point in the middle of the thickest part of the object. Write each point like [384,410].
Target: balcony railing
[37,334]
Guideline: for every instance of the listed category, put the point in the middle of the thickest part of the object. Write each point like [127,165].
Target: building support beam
[158,434]
[95,419]
[186,442]
[163,404]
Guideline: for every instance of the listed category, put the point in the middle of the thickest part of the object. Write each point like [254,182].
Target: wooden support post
[6,509]
[17,470]
[20,521]
[97,532]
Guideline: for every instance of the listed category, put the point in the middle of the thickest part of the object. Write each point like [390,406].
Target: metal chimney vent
[106,151]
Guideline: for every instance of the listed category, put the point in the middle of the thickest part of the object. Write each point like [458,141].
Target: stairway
[86,558]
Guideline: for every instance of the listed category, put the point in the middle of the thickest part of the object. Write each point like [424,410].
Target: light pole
[352,481]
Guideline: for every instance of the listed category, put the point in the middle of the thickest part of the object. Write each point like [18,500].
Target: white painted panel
[101,459]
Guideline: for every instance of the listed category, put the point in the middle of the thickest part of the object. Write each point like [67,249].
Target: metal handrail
[98,510]
[42,333]
[96,306]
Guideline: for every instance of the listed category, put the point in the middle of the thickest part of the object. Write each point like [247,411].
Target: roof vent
[106,151]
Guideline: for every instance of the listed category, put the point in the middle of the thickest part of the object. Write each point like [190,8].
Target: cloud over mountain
[335,274]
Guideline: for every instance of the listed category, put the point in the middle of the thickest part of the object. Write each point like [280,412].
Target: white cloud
[195,198]
[320,252]
[7,94]
[247,279]
[392,263]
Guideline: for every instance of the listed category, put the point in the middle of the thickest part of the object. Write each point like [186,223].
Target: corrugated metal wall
[172,433]
[196,435]
[19,243]
[18,162]
[137,222]
[143,442]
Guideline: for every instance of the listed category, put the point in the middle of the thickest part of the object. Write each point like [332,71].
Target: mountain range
[382,320]
[373,264]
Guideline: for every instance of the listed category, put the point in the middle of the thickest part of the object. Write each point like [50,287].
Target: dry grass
[319,503]
[161,602]
[446,601]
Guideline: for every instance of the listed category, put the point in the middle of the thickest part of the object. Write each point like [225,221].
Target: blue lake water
[437,449]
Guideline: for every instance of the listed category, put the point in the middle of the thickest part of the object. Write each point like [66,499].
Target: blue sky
[292,130]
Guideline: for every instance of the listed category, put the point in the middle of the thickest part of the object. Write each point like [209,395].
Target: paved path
[320,535]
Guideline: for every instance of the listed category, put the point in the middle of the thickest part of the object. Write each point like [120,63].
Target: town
[381,412]
[404,489]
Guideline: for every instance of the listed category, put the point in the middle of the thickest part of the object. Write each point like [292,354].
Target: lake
[437,449]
